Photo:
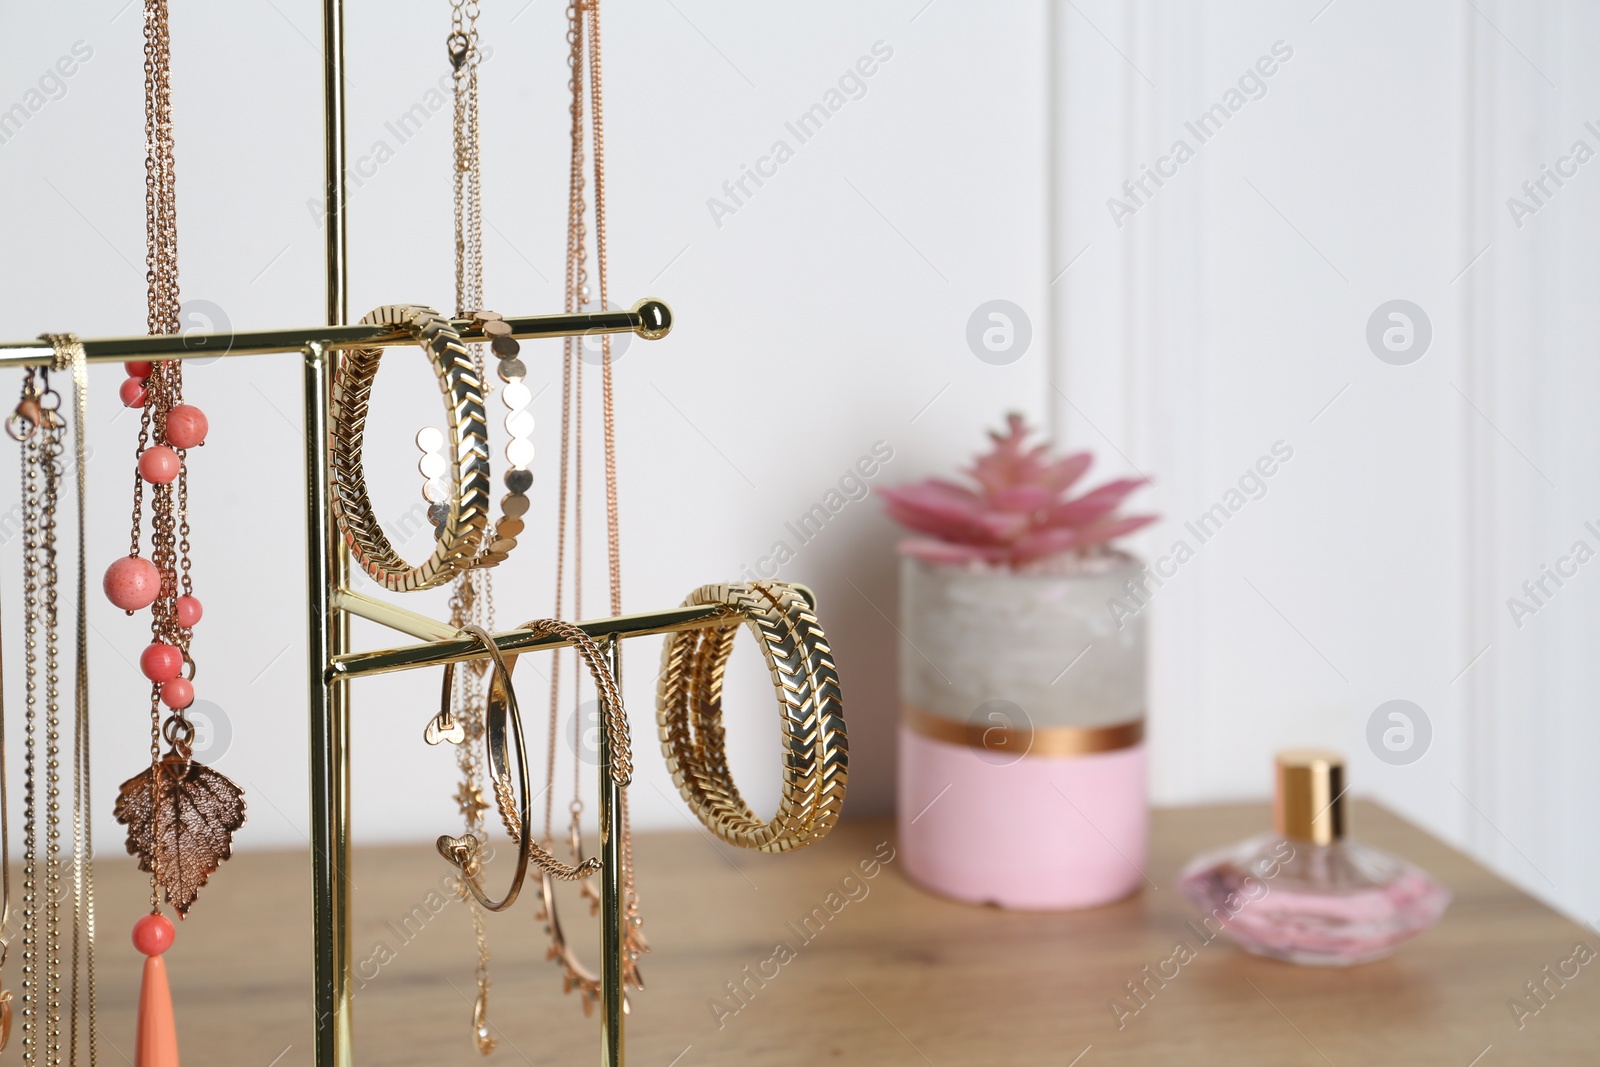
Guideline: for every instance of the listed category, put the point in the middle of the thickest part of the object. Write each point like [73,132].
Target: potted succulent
[1022,757]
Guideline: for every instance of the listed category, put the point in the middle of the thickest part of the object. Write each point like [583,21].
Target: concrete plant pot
[1022,755]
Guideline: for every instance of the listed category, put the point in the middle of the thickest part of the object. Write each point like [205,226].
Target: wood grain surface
[846,968]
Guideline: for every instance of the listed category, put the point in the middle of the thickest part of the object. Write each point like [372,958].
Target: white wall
[828,312]
[1229,312]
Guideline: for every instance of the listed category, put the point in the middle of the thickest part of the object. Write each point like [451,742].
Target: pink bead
[138,368]
[161,662]
[153,934]
[189,611]
[177,693]
[159,465]
[186,426]
[132,393]
[132,583]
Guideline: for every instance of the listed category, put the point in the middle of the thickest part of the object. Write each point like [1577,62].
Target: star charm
[471,802]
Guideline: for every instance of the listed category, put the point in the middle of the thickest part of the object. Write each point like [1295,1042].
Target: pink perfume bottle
[1304,893]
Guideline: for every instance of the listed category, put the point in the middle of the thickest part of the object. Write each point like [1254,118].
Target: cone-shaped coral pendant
[158,1033]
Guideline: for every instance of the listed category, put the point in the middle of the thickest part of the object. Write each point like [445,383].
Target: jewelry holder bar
[453,648]
[650,319]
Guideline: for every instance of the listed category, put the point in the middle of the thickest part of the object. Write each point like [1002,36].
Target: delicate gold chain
[84,995]
[50,461]
[41,458]
[5,868]
[38,424]
[472,600]
[32,988]
[46,447]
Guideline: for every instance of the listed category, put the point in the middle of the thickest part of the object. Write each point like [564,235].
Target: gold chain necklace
[41,893]
[84,1007]
[40,426]
[472,600]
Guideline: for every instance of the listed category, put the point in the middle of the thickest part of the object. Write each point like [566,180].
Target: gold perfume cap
[1308,801]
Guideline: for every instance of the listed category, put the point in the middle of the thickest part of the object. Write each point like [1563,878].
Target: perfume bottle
[1304,893]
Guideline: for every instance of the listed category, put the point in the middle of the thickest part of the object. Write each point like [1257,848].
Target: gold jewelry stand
[331,602]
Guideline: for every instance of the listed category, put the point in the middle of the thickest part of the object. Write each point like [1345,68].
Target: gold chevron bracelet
[689,714]
[467,509]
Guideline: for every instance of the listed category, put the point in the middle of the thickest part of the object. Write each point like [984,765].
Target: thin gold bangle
[509,776]
[689,714]
[461,534]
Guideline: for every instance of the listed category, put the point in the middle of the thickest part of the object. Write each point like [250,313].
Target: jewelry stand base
[1040,833]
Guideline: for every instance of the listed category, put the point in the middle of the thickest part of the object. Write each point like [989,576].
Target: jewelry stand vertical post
[331,602]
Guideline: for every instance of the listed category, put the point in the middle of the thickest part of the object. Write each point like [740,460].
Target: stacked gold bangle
[466,505]
[689,713]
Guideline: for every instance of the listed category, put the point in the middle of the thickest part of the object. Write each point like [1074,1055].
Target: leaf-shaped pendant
[181,816]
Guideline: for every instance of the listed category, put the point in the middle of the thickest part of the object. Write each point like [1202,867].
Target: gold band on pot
[1058,741]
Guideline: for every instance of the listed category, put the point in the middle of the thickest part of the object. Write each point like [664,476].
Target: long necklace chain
[586,113]
[41,952]
[42,1011]
[168,430]
[161,221]
[84,997]
[472,599]
[635,944]
[163,386]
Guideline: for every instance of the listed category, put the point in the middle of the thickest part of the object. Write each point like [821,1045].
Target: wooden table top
[884,973]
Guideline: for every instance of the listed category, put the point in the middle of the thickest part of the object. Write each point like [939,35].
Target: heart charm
[441,728]
[461,851]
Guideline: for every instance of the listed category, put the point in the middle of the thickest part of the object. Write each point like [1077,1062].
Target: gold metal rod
[456,650]
[330,742]
[329,721]
[650,319]
[330,731]
[395,618]
[613,1036]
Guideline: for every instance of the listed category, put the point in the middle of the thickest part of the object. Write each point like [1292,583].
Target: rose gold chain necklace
[586,112]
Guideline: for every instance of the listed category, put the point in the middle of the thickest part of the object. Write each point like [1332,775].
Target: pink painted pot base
[1007,835]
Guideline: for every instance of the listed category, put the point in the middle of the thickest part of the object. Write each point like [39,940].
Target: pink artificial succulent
[1018,512]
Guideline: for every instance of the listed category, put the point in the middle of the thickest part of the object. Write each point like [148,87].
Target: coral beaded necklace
[181,815]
